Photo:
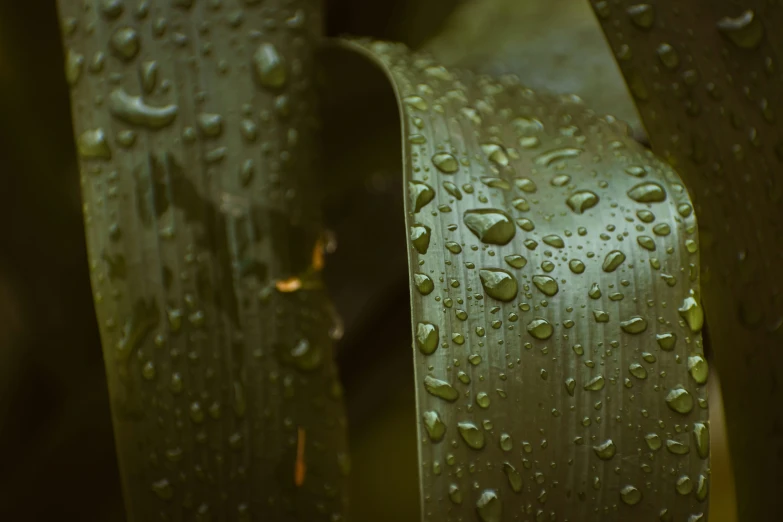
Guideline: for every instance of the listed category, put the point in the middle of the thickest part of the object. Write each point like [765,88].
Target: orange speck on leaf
[292,284]
[318,255]
[300,469]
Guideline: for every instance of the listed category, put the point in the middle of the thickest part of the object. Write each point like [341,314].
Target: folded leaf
[706,78]
[555,305]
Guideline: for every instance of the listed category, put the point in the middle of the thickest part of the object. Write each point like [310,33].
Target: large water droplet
[692,313]
[513,476]
[634,325]
[92,144]
[471,434]
[595,384]
[630,495]
[420,194]
[549,157]
[132,109]
[547,285]
[427,338]
[269,67]
[499,284]
[582,200]
[125,43]
[435,427]
[648,192]
[701,438]
[445,162]
[613,260]
[642,15]
[420,238]
[423,283]
[606,450]
[488,506]
[745,31]
[680,400]
[496,154]
[440,389]
[540,329]
[490,225]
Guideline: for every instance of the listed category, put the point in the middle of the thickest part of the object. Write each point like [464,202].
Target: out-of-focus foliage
[554,45]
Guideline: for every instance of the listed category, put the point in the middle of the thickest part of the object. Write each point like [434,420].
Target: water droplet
[637,370]
[423,283]
[132,109]
[745,31]
[668,56]
[92,144]
[516,261]
[490,225]
[648,192]
[676,447]
[452,189]
[698,368]
[701,438]
[434,426]
[636,171]
[613,260]
[646,242]
[653,441]
[666,341]
[634,325]
[576,266]
[420,194]
[554,241]
[269,67]
[547,158]
[496,154]
[526,185]
[595,384]
[455,494]
[499,284]
[606,450]
[211,125]
[642,15]
[420,238]
[540,329]
[684,485]
[111,9]
[163,489]
[482,399]
[427,338]
[471,434]
[546,285]
[445,162]
[582,200]
[488,506]
[680,400]
[74,63]
[513,476]
[148,74]
[440,389]
[692,313]
[630,495]
[125,43]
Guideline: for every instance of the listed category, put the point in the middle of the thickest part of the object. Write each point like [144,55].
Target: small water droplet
[642,15]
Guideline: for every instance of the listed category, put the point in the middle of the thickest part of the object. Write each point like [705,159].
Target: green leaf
[705,77]
[199,169]
[526,391]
